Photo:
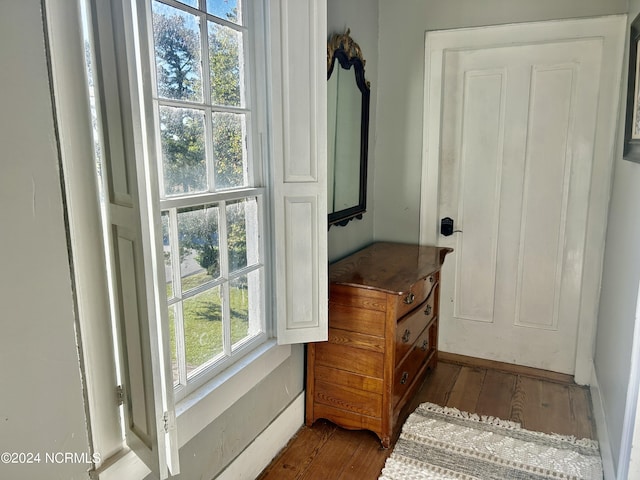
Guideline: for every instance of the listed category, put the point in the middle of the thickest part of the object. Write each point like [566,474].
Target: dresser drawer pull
[425,345]
[427,311]
[404,378]
[431,279]
[407,336]
[409,299]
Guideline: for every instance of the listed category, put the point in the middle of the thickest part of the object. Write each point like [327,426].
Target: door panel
[516,158]
[480,167]
[546,190]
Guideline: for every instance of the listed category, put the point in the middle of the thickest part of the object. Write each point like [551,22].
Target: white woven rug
[444,443]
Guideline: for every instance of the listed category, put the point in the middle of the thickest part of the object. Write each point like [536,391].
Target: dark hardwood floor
[538,400]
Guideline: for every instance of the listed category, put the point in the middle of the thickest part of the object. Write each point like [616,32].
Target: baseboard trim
[601,427]
[257,456]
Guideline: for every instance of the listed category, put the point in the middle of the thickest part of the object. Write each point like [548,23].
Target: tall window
[196,156]
[208,175]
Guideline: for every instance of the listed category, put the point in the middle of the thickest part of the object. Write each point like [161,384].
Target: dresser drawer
[355,360]
[417,294]
[349,399]
[409,329]
[369,322]
[406,373]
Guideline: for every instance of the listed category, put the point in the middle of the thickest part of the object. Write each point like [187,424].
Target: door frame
[611,32]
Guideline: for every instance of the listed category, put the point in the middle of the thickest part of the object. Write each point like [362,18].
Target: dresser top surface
[390,267]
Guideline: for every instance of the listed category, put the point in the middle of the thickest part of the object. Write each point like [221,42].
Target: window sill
[127,465]
[203,406]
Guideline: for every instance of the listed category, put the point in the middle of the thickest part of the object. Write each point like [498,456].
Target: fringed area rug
[444,443]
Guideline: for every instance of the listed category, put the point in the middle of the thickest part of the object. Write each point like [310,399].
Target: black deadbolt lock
[446,226]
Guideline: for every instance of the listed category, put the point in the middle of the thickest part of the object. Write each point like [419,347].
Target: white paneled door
[516,161]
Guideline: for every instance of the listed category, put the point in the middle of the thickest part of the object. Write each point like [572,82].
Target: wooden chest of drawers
[383,336]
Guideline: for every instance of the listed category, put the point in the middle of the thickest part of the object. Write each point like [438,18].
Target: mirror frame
[342,48]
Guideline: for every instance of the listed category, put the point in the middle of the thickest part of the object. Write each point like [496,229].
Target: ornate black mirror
[348,130]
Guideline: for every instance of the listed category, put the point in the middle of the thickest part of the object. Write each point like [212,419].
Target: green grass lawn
[202,321]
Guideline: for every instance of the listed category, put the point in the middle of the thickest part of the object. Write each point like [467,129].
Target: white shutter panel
[74,133]
[144,344]
[299,156]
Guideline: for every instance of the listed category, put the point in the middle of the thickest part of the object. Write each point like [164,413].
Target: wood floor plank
[545,407]
[496,394]
[556,406]
[332,459]
[466,390]
[438,383]
[519,400]
[368,459]
[294,460]
[581,412]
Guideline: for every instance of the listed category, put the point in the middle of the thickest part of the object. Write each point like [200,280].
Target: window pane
[227,9]
[183,151]
[199,247]
[166,249]
[176,36]
[242,233]
[246,315]
[202,327]
[229,138]
[226,66]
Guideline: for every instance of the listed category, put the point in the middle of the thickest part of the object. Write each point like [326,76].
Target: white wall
[398,148]
[215,447]
[361,16]
[620,280]
[618,298]
[41,404]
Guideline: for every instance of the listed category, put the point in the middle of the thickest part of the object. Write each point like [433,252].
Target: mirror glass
[348,130]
